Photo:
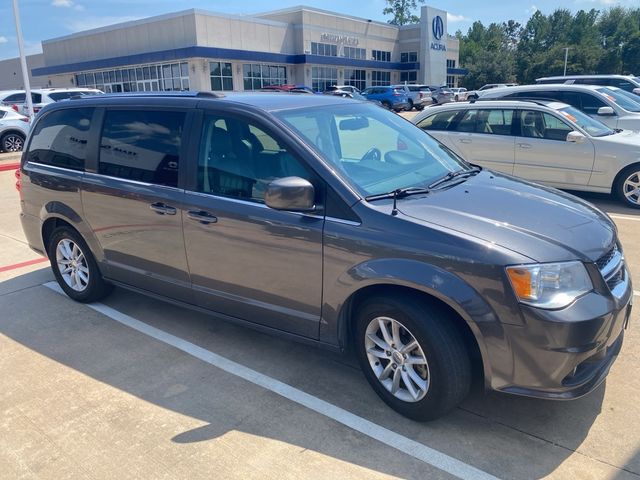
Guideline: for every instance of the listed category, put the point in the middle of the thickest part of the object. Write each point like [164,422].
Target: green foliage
[598,41]
[402,11]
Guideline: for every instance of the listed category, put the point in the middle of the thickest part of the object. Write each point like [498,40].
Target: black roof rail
[537,100]
[187,93]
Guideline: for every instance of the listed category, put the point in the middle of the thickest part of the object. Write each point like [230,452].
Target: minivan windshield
[376,151]
[593,127]
[620,97]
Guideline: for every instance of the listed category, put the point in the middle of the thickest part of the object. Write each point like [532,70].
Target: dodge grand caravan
[336,223]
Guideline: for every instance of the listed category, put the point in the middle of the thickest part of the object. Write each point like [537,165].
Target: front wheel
[627,186]
[75,268]
[412,355]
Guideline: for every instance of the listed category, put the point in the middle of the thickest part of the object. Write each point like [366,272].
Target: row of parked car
[14,112]
[566,135]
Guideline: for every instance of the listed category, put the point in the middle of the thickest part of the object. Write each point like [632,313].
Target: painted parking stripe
[390,438]
[15,266]
[624,217]
[636,293]
[9,166]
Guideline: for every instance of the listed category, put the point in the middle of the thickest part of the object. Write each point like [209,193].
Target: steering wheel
[373,154]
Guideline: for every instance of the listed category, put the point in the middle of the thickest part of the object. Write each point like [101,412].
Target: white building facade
[200,50]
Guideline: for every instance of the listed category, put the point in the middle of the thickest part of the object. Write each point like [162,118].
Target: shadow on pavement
[507,436]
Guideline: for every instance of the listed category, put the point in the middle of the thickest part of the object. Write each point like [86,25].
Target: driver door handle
[201,216]
[465,140]
[524,145]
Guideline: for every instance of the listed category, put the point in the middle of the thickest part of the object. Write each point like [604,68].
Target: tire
[410,107]
[456,98]
[446,367]
[386,104]
[85,283]
[419,108]
[627,186]
[12,142]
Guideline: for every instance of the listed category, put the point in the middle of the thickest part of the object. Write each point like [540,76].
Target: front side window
[374,150]
[142,145]
[590,103]
[60,138]
[535,124]
[439,121]
[238,159]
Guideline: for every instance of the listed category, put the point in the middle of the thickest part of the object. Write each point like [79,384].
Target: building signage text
[339,39]
[437,29]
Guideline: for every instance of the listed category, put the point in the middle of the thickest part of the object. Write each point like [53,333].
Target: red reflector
[19,182]
[15,107]
[25,119]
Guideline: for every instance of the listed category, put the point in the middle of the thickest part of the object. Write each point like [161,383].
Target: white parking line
[636,293]
[390,438]
[624,217]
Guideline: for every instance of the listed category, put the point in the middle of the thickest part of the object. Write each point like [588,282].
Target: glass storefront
[143,78]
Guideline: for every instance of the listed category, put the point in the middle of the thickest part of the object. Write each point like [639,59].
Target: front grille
[611,266]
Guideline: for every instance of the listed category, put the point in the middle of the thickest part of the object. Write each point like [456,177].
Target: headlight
[549,285]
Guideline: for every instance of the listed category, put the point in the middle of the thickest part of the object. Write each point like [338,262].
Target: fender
[416,275]
[62,211]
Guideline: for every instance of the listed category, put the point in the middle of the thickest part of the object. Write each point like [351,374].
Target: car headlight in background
[549,285]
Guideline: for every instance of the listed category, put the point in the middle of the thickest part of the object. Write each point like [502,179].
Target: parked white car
[13,130]
[612,106]
[544,141]
[459,94]
[43,96]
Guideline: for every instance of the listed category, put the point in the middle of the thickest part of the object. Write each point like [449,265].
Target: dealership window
[380,78]
[451,63]
[409,77]
[142,145]
[323,77]
[324,49]
[256,75]
[451,81]
[221,75]
[356,78]
[353,52]
[143,78]
[408,57]
[381,56]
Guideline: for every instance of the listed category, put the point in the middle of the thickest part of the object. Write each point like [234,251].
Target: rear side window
[60,138]
[142,145]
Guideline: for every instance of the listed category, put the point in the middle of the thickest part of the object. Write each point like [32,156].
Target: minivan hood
[541,223]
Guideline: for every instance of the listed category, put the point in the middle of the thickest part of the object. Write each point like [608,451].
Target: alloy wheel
[397,359]
[631,188]
[72,265]
[12,143]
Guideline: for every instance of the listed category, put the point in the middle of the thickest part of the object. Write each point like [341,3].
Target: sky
[46,19]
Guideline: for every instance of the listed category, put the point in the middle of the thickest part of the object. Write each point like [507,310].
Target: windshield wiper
[398,193]
[451,175]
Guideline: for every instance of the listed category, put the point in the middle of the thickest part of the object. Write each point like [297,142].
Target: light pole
[23,59]
[566,54]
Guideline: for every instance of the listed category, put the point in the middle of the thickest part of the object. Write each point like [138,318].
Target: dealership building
[201,50]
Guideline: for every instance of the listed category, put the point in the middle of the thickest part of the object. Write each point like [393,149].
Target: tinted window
[590,103]
[60,138]
[536,124]
[142,145]
[16,97]
[439,121]
[239,160]
[57,96]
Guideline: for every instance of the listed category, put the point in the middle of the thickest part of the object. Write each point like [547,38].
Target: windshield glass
[593,127]
[622,98]
[375,150]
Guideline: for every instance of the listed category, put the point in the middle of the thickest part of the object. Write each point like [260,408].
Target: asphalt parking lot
[137,388]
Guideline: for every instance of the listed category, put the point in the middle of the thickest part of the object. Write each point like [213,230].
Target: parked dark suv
[336,223]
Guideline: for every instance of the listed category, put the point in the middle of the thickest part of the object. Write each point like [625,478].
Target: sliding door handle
[201,216]
[163,209]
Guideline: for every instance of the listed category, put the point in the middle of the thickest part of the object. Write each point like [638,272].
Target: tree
[402,11]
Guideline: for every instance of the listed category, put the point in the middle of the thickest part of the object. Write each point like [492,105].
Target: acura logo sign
[437,25]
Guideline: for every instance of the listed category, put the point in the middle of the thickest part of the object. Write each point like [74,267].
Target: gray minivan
[336,223]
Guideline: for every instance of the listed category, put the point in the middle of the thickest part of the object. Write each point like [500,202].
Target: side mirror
[577,137]
[606,111]
[290,193]
[636,91]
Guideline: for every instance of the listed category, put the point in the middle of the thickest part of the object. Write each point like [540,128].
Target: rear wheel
[410,106]
[627,186]
[12,142]
[386,104]
[412,355]
[75,268]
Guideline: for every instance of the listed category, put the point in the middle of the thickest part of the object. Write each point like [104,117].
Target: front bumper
[565,354]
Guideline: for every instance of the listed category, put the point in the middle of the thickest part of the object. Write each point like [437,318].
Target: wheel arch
[618,176]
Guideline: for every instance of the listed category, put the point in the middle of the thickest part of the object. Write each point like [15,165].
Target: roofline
[162,17]
[599,75]
[299,8]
